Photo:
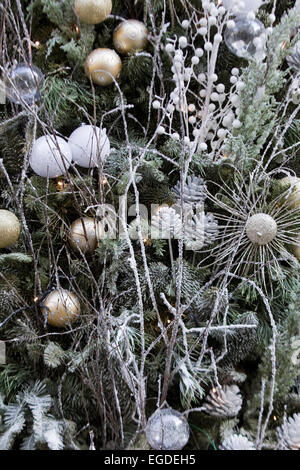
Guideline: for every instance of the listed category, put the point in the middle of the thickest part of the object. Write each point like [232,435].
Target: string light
[103,180]
[60,185]
[35,299]
[37,44]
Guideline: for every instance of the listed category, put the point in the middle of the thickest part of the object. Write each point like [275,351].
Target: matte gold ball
[10,228]
[61,307]
[296,248]
[103,66]
[93,11]
[294,197]
[85,234]
[130,36]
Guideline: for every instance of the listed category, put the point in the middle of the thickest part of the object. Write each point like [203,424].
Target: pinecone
[201,232]
[166,224]
[289,433]
[237,442]
[194,190]
[294,59]
[224,402]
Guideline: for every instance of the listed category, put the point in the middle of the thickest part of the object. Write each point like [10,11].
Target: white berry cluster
[211,114]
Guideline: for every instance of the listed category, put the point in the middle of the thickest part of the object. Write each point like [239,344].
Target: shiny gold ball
[93,11]
[10,228]
[294,197]
[85,234]
[61,307]
[101,65]
[130,36]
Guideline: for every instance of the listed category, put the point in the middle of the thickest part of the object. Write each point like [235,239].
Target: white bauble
[244,6]
[89,146]
[51,156]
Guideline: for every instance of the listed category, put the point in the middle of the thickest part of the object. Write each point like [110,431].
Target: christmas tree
[149,224]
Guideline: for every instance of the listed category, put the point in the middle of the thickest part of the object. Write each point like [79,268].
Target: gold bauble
[101,64]
[93,11]
[296,248]
[85,234]
[61,307]
[294,198]
[10,228]
[130,36]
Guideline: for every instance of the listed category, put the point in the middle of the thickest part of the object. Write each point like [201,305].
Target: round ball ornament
[130,36]
[167,429]
[10,228]
[93,11]
[242,6]
[103,65]
[61,307]
[261,229]
[89,146]
[246,39]
[50,157]
[85,234]
[23,84]
[294,197]
[296,248]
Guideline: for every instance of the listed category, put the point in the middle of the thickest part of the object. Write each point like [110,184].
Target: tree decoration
[255,229]
[166,224]
[294,58]
[51,156]
[85,234]
[246,38]
[10,228]
[295,91]
[93,11]
[89,145]
[242,6]
[130,36]
[167,429]
[23,84]
[261,229]
[103,66]
[237,442]
[194,190]
[225,402]
[200,231]
[292,184]
[61,308]
[289,433]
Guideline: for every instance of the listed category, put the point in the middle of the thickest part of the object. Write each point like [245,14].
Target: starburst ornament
[256,230]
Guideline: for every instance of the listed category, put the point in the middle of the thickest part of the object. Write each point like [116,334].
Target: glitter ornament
[167,429]
[130,36]
[85,234]
[89,146]
[10,228]
[61,307]
[93,11]
[23,84]
[103,66]
[51,156]
[242,6]
[246,39]
[261,229]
